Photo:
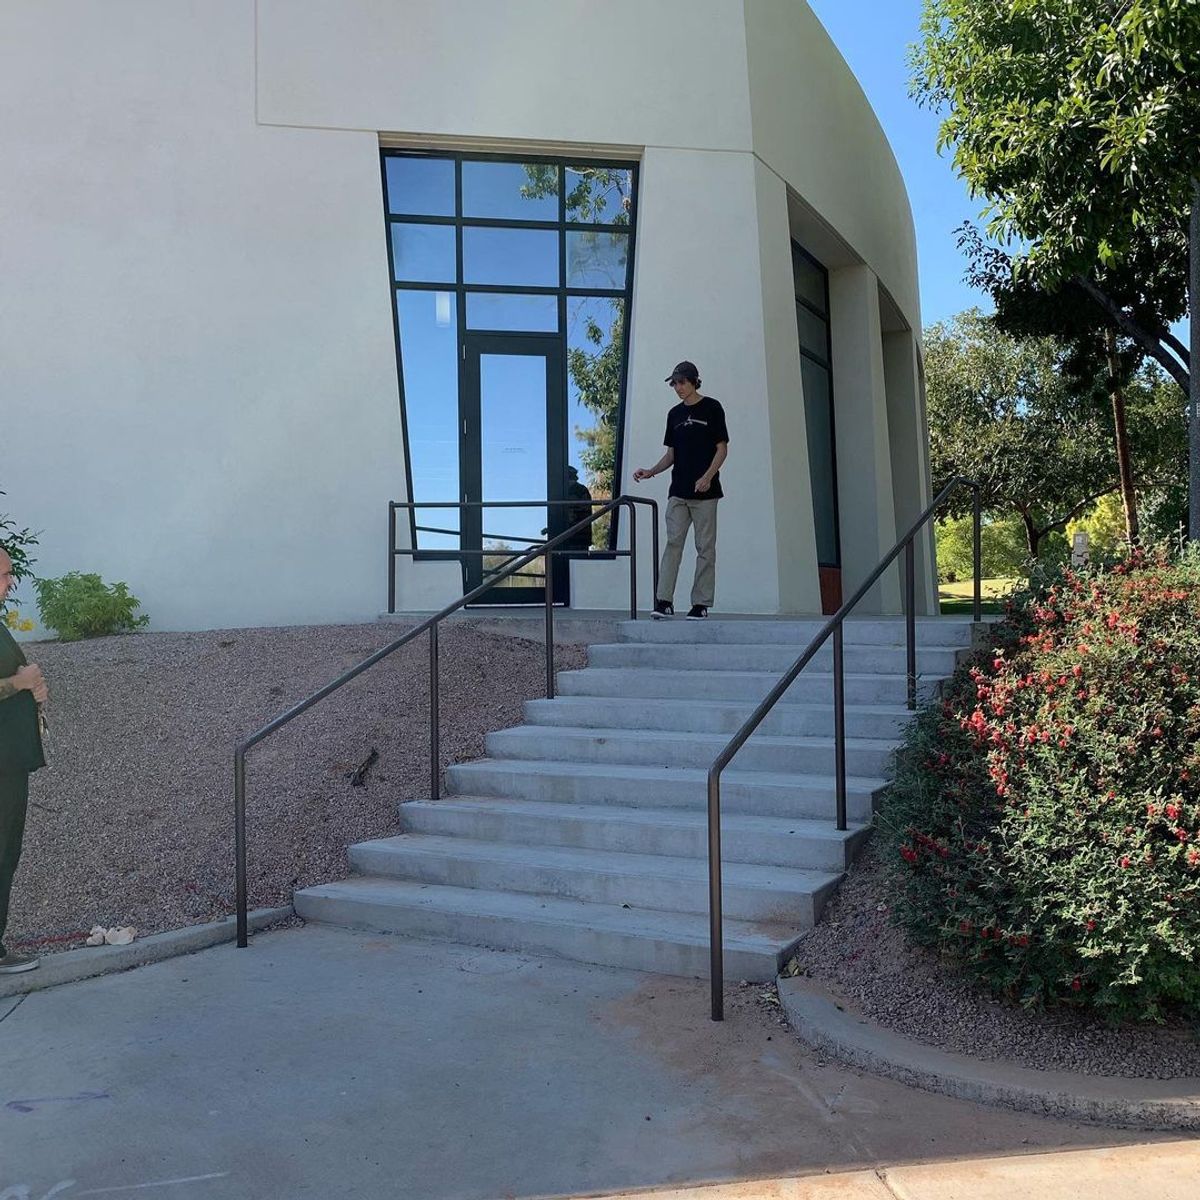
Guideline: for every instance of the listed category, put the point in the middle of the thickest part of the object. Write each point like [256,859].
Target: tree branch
[1152,345]
[1179,348]
[1062,522]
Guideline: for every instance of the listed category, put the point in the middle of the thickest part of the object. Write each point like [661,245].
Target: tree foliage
[16,542]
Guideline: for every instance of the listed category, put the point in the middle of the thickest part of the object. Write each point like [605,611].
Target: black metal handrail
[395,552]
[834,628]
[545,549]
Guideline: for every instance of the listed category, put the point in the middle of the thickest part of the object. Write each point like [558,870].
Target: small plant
[16,543]
[82,606]
[1045,815]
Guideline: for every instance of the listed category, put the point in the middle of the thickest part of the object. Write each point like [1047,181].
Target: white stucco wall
[200,370]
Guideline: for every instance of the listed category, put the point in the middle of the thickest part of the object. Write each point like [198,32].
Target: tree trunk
[1032,537]
[1124,462]
[1194,370]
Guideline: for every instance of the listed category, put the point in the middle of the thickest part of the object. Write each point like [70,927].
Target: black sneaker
[663,609]
[698,613]
[12,964]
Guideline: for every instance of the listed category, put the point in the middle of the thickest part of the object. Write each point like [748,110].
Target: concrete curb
[822,1021]
[72,965]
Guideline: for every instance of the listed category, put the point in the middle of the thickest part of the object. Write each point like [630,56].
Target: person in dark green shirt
[22,689]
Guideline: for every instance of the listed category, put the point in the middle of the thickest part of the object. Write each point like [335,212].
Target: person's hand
[641,473]
[703,484]
[30,678]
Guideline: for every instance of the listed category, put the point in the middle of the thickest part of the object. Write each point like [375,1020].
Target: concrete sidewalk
[322,1062]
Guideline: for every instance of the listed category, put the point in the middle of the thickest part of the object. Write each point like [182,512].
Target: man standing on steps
[22,689]
[697,443]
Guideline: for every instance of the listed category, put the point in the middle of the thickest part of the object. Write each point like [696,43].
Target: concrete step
[714,716]
[812,686]
[639,939]
[876,660]
[860,631]
[869,757]
[759,793]
[750,892]
[803,843]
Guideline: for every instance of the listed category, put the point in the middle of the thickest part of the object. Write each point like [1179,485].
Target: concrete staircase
[583,833]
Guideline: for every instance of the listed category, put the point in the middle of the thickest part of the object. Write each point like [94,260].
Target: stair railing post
[910,619]
[633,611]
[977,531]
[716,958]
[549,624]
[391,568]
[435,750]
[239,838]
[839,722]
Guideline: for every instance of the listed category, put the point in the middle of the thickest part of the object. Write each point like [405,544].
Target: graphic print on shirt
[694,431]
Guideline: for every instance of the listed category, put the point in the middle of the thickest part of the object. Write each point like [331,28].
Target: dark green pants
[14,800]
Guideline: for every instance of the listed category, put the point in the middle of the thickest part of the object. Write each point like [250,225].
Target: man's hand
[641,473]
[30,679]
[703,483]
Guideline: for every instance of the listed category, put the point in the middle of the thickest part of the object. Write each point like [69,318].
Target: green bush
[1045,816]
[16,542]
[81,606]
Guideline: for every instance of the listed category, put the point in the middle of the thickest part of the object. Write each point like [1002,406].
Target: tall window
[482,244]
[812,320]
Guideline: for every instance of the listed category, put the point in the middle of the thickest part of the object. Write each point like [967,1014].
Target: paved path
[322,1062]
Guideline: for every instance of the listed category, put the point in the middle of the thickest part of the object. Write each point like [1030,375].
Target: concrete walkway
[322,1062]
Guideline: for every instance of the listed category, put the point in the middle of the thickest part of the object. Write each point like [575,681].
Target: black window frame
[460,288]
[826,364]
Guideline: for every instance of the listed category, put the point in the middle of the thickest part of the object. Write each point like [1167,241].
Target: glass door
[513,449]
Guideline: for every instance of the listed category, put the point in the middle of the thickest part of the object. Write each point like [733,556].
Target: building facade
[268,266]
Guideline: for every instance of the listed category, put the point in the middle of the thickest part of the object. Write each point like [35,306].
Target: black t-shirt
[693,432]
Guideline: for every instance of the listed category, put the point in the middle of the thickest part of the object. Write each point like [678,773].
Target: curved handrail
[833,628]
[429,626]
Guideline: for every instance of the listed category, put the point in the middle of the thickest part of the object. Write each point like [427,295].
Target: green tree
[1079,123]
[1004,412]
[16,542]
[1002,545]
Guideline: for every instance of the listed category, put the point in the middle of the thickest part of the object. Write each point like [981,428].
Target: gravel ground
[861,955]
[132,823]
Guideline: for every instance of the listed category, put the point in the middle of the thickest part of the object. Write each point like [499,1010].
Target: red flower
[1076,984]
[1091,925]
[1181,834]
[1126,861]
[1193,857]
[1172,812]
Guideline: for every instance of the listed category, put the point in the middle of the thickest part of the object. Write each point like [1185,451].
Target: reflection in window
[595,349]
[421,187]
[599,195]
[467,256]
[510,191]
[517,257]
[597,259]
[512,312]
[429,360]
[423,253]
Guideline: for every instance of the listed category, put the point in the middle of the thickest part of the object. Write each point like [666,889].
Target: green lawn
[956,598]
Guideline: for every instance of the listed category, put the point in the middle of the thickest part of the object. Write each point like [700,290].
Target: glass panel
[512,313]
[595,340]
[510,191]
[512,257]
[810,280]
[814,333]
[818,418]
[512,436]
[423,253]
[596,259]
[599,195]
[429,352]
[420,187]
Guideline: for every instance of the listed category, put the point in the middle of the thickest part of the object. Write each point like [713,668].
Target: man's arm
[28,679]
[705,480]
[667,460]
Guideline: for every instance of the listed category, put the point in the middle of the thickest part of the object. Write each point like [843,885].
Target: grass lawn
[957,598]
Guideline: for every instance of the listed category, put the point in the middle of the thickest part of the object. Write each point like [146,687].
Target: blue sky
[873,36]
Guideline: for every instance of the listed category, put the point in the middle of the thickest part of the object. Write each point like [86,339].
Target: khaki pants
[702,516]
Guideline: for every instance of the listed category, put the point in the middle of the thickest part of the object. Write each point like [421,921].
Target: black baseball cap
[684,370]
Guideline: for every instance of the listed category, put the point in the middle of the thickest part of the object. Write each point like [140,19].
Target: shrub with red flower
[1045,812]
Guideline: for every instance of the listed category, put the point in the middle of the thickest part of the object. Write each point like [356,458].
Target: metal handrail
[834,628]
[395,552]
[431,625]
